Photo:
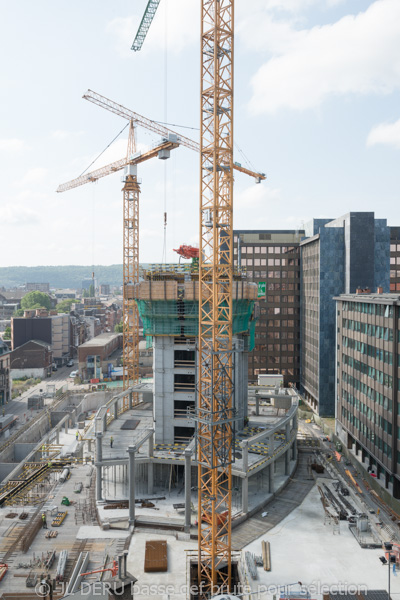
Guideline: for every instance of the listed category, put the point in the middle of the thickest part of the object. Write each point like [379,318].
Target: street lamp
[384,561]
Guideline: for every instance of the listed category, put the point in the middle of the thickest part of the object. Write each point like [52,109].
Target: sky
[317,108]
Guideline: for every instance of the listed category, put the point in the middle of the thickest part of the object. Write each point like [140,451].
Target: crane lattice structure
[145,23]
[138,119]
[131,191]
[216,415]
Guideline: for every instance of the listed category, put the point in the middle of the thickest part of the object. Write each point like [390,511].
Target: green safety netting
[171,317]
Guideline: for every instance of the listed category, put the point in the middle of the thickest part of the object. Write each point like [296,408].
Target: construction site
[181,486]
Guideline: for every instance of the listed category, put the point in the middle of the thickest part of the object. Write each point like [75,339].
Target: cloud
[359,54]
[62,135]
[256,196]
[14,214]
[12,145]
[34,176]
[387,134]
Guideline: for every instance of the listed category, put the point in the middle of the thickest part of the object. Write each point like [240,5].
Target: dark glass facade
[395,259]
[272,259]
[367,375]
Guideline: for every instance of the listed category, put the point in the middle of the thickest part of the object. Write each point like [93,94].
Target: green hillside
[60,277]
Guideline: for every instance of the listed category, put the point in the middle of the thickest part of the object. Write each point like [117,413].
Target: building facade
[338,256]
[55,330]
[272,261]
[368,355]
[5,385]
[395,259]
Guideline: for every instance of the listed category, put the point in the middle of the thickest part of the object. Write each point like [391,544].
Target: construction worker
[49,465]
[44,521]
[111,441]
[77,435]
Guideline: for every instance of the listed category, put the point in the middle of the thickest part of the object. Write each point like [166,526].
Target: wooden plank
[156,557]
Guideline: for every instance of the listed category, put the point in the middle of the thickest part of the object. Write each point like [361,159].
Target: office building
[338,256]
[271,259]
[368,350]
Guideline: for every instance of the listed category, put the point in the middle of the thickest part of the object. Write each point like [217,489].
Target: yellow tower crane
[215,412]
[131,191]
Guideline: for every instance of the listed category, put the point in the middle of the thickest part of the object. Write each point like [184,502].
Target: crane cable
[106,148]
[164,250]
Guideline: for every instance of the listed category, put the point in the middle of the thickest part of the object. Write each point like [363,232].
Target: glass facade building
[367,376]
[338,256]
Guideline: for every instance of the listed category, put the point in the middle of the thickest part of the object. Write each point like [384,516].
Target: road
[19,406]
[365,498]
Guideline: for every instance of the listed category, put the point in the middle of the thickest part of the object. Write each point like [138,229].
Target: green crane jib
[144,26]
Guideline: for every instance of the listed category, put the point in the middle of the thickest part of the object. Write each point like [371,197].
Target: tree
[19,312]
[119,328]
[35,300]
[91,291]
[7,333]
[65,305]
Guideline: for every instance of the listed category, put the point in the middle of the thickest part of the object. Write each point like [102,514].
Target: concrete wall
[36,373]
[5,469]
[21,451]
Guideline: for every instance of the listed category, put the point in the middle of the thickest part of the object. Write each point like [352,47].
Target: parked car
[54,367]
[70,363]
[74,374]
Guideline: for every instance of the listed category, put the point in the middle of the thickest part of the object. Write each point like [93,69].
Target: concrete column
[287,431]
[131,399]
[257,405]
[57,436]
[271,482]
[116,410]
[99,459]
[245,455]
[131,452]
[294,449]
[245,495]
[287,461]
[66,425]
[105,422]
[150,472]
[271,445]
[188,488]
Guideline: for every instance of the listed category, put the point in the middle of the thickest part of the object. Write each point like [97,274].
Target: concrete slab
[96,533]
[304,549]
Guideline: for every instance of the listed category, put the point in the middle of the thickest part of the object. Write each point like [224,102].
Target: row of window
[365,369]
[378,398]
[367,432]
[363,387]
[381,310]
[269,249]
[368,350]
[381,333]
[272,262]
[371,415]
[278,310]
[277,348]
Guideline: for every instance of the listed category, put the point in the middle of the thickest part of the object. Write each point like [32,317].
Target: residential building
[37,287]
[5,387]
[271,259]
[368,361]
[32,359]
[338,256]
[41,325]
[105,289]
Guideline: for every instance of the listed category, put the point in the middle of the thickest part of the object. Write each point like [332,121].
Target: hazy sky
[317,107]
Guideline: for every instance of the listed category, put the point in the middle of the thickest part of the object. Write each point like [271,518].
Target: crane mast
[131,191]
[215,417]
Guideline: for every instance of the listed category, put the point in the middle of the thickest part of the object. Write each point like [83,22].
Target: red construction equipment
[187,251]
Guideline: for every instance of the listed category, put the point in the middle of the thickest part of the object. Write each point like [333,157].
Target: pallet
[51,534]
[59,518]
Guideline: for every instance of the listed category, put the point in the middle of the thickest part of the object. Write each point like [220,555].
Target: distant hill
[60,277]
